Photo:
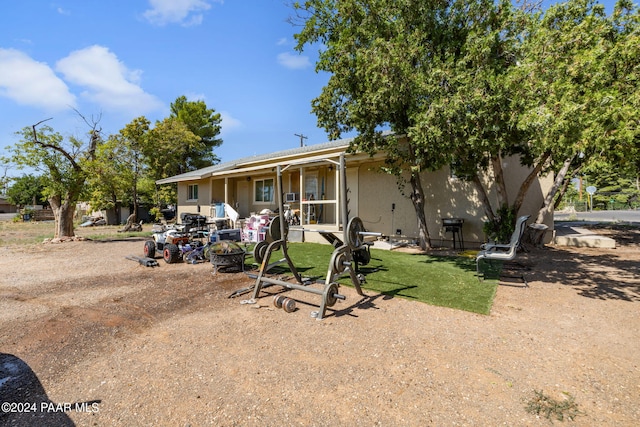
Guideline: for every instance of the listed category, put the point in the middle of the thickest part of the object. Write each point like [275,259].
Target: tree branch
[60,150]
[95,133]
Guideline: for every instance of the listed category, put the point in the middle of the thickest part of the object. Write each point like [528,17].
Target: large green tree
[118,167]
[127,164]
[574,90]
[468,83]
[64,164]
[431,71]
[166,147]
[203,122]
[167,144]
[27,189]
[616,186]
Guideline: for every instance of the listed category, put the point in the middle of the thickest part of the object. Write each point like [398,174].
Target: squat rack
[342,260]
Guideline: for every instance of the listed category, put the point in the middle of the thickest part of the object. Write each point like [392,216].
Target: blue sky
[125,58]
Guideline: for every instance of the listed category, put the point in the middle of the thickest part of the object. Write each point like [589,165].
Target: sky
[120,59]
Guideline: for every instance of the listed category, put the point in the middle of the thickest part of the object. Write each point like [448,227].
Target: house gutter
[318,159]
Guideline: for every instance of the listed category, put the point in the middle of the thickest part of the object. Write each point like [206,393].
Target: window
[193,192]
[264,190]
[311,186]
[457,172]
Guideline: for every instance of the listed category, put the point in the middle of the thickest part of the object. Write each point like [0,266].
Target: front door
[243,194]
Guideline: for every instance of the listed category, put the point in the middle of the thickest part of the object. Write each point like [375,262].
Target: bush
[500,229]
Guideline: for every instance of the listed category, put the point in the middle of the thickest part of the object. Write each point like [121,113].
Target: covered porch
[245,197]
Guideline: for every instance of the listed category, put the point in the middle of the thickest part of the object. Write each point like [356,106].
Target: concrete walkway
[570,231]
[568,234]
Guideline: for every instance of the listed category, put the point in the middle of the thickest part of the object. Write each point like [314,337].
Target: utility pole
[302,138]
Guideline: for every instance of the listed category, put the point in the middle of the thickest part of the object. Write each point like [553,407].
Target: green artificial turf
[437,280]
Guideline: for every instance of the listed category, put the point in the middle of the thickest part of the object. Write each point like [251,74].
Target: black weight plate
[354,228]
[259,250]
[277,228]
[330,299]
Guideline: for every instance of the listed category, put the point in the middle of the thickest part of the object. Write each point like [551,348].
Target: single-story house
[310,180]
[6,207]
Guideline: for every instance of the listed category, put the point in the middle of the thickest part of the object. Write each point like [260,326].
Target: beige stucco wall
[446,197]
[191,206]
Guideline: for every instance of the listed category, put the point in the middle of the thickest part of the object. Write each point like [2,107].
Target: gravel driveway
[95,339]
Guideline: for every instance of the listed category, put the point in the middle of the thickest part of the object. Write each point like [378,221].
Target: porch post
[226,190]
[343,197]
[338,195]
[302,195]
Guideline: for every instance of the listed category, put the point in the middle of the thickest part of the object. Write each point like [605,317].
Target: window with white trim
[192,192]
[264,190]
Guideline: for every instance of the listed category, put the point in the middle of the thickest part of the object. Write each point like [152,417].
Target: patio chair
[503,252]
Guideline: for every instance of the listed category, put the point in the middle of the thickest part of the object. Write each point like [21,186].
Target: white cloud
[184,12]
[229,123]
[107,81]
[282,41]
[32,83]
[193,97]
[62,11]
[294,62]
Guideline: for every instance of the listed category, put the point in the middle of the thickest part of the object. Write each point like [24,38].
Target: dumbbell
[280,301]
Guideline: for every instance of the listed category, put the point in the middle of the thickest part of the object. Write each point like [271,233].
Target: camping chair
[503,252]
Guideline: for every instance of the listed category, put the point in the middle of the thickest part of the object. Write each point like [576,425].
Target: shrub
[500,229]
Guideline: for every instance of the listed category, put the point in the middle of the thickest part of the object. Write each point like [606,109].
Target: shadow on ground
[23,398]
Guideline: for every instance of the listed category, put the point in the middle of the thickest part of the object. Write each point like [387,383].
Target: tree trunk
[548,200]
[116,209]
[524,187]
[565,186]
[63,213]
[498,173]
[484,198]
[417,197]
[136,171]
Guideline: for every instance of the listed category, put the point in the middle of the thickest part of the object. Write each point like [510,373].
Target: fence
[614,201]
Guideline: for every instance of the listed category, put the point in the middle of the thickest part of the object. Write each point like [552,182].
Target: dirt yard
[92,338]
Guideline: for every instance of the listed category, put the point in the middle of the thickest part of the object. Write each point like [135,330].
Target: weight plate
[277,300]
[330,295]
[263,251]
[259,250]
[362,256]
[276,229]
[354,228]
[337,262]
[289,305]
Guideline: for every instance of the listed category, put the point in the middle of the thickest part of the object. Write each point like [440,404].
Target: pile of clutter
[92,221]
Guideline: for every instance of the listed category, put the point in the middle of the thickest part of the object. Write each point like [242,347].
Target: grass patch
[25,233]
[436,280]
[33,232]
[553,409]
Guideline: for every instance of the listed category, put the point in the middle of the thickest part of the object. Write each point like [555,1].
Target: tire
[171,253]
[150,249]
